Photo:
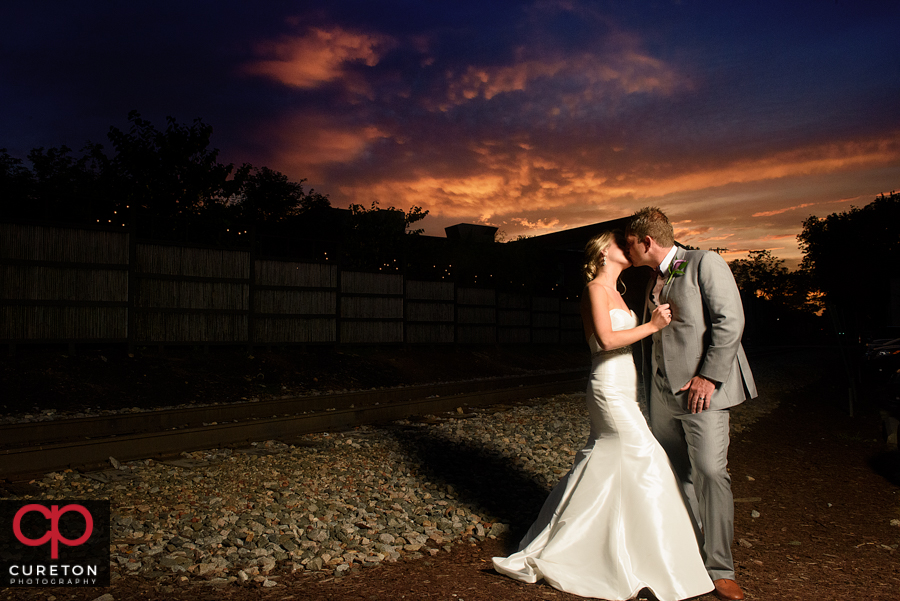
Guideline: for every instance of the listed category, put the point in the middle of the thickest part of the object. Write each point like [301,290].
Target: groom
[694,370]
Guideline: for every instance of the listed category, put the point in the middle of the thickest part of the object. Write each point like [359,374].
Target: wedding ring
[703,398]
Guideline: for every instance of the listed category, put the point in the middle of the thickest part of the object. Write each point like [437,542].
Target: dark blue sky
[740,119]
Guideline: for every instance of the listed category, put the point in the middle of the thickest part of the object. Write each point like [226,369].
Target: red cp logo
[53,514]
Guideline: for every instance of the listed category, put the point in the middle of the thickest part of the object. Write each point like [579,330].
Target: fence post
[132,286]
[455,312]
[337,301]
[496,317]
[251,293]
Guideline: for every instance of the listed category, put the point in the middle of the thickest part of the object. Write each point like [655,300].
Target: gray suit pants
[697,446]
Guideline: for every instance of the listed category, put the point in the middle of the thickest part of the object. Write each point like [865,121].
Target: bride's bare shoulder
[593,289]
[596,295]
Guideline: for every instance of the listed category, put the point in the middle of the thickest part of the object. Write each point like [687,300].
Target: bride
[616,523]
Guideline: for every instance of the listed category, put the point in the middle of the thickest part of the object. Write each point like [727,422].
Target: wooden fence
[69,285]
[63,285]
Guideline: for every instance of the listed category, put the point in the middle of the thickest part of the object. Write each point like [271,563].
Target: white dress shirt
[660,277]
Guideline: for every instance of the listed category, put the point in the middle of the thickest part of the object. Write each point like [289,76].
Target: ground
[815,516]
[56,378]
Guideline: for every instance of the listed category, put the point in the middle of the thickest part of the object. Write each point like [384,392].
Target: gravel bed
[336,502]
[330,502]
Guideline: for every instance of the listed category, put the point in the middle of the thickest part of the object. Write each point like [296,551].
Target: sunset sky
[740,119]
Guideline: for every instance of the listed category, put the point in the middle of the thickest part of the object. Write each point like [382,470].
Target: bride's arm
[602,324]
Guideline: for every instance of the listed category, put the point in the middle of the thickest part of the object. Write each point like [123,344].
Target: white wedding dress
[616,523]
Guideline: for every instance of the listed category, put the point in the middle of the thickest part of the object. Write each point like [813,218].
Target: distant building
[567,248]
[471,232]
[575,239]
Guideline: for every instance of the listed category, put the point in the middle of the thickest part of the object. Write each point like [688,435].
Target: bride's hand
[661,317]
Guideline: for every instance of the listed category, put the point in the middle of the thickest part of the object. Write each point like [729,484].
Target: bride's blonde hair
[595,254]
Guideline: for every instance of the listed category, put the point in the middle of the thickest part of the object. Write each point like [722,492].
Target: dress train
[616,523]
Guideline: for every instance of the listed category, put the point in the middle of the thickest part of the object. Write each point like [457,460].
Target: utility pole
[719,251]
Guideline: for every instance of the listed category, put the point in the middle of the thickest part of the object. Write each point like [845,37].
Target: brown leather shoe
[728,590]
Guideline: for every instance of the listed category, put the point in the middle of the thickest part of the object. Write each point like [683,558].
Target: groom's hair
[651,221]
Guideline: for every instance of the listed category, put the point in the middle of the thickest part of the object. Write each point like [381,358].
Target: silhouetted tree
[762,275]
[267,196]
[169,184]
[374,238]
[59,187]
[284,219]
[414,215]
[170,177]
[70,188]
[16,187]
[849,256]
[778,304]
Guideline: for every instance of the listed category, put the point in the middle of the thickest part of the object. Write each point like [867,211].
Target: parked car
[881,373]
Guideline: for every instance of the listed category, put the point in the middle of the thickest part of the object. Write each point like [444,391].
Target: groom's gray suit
[704,338]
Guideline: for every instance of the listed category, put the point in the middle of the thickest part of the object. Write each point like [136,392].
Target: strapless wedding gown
[616,523]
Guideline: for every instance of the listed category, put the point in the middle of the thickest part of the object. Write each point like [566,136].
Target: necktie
[657,288]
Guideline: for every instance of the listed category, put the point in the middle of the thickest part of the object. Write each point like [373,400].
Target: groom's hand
[700,393]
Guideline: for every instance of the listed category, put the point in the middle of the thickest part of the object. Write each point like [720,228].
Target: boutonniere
[676,268]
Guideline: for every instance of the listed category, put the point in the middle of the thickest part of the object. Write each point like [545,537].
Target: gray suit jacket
[704,337]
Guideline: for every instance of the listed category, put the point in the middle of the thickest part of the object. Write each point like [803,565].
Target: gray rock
[351,500]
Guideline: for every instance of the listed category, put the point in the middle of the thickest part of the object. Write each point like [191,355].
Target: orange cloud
[542,224]
[524,181]
[318,56]
[784,210]
[802,206]
[477,195]
[628,72]
[683,233]
[512,180]
[716,238]
[828,158]
[307,143]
